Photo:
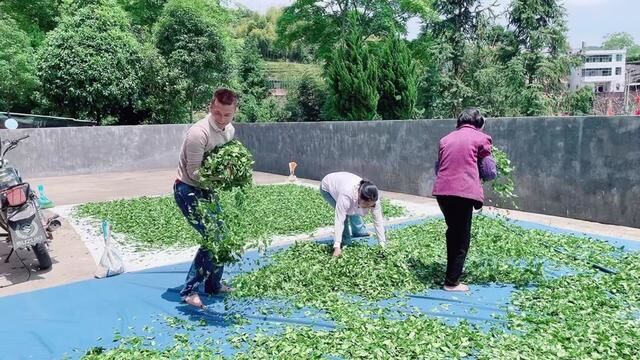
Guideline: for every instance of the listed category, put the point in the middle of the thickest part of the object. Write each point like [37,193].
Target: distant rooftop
[584,47]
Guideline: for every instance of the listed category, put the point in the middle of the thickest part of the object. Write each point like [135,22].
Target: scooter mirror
[11,123]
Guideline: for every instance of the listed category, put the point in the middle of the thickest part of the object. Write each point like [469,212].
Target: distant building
[633,71]
[604,70]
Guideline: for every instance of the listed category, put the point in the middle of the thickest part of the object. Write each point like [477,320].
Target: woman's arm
[378,223]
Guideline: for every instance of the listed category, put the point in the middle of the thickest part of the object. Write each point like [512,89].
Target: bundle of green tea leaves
[227,167]
[503,186]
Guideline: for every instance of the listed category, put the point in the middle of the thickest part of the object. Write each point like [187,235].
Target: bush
[307,101]
[17,67]
[90,65]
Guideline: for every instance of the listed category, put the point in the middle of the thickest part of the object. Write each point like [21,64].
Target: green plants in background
[398,81]
[352,75]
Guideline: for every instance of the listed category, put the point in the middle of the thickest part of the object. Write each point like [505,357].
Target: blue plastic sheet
[68,320]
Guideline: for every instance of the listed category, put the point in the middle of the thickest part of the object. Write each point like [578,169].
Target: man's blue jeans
[203,269]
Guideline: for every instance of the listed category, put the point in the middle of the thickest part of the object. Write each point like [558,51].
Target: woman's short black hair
[368,191]
[471,116]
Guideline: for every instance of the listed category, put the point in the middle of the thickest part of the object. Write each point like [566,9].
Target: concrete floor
[73,262]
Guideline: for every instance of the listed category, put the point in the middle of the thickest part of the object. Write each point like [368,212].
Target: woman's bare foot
[194,300]
[460,288]
[225,289]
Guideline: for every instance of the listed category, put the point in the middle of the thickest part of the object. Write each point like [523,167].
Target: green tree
[266,110]
[320,23]
[491,81]
[35,17]
[251,72]
[352,74]
[308,99]
[248,110]
[254,85]
[456,25]
[70,7]
[581,101]
[258,28]
[90,65]
[143,13]
[17,67]
[450,35]
[429,62]
[191,35]
[467,59]
[251,25]
[398,80]
[623,40]
[540,29]
[489,85]
[162,93]
[271,110]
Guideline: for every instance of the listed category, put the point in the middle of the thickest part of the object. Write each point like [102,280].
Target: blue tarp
[69,319]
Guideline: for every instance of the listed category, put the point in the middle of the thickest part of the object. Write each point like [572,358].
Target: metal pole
[626,90]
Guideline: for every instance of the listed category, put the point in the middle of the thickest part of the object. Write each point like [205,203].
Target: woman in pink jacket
[463,161]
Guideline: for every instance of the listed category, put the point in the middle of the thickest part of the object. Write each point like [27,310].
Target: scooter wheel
[42,254]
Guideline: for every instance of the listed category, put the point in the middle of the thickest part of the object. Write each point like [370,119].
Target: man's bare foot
[194,300]
[460,288]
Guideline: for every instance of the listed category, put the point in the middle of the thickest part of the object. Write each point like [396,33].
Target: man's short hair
[225,96]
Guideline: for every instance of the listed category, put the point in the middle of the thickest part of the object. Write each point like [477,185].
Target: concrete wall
[585,168]
[396,155]
[86,150]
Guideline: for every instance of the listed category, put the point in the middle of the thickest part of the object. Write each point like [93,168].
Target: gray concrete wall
[396,155]
[584,168]
[86,150]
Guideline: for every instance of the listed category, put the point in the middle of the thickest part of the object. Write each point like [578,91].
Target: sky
[588,20]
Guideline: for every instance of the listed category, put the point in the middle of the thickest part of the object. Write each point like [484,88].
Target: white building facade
[604,70]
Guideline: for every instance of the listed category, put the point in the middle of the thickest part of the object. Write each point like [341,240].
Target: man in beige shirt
[215,129]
